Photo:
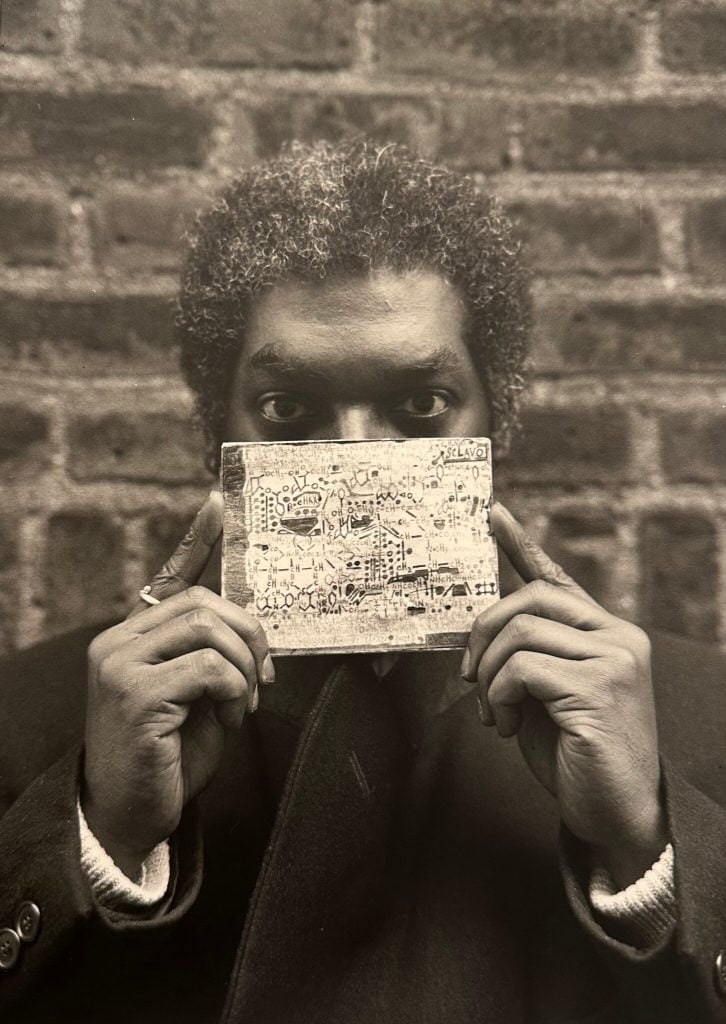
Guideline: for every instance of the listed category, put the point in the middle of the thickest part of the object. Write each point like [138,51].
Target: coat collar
[423,686]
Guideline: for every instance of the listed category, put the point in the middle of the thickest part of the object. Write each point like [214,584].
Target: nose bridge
[359,422]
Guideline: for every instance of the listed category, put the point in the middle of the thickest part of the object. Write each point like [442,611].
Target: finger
[247,627]
[205,673]
[211,577]
[547,679]
[199,629]
[188,562]
[542,599]
[526,556]
[543,636]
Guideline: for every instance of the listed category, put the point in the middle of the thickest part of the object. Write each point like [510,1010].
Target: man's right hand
[163,686]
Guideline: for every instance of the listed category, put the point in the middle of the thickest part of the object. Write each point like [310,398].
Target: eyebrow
[272,356]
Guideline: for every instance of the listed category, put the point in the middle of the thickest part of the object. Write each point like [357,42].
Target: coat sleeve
[675,980]
[41,864]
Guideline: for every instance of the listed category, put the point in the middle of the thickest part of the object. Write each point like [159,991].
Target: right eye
[283,408]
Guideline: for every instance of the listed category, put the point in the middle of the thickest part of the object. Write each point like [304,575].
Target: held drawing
[360,545]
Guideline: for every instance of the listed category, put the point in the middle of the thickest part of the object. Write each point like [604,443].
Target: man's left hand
[573,683]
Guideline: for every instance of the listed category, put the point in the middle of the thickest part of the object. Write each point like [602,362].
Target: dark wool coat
[372,855]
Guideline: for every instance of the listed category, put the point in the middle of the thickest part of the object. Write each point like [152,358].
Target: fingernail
[268,670]
[465,662]
[255,699]
[484,716]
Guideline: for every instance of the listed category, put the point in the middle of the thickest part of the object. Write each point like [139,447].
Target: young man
[362,848]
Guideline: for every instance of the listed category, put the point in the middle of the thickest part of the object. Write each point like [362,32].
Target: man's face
[369,356]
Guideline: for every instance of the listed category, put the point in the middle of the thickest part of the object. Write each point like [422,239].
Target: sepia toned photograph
[362,511]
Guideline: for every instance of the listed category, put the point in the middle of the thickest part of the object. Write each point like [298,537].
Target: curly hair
[350,207]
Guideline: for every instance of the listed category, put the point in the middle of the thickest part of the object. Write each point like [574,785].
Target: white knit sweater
[648,906]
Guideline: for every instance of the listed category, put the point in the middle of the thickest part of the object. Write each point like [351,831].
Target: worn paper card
[359,545]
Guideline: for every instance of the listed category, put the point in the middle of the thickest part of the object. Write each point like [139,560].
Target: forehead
[379,316]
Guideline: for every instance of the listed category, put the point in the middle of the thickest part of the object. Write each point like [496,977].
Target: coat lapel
[320,879]
[369,896]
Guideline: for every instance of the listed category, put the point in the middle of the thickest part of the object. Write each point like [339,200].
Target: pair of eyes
[284,407]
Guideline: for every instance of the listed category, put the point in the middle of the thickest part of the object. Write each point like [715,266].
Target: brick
[84,574]
[679,590]
[306,117]
[30,231]
[140,230]
[587,236]
[640,136]
[583,542]
[706,237]
[307,33]
[151,447]
[693,40]
[570,446]
[31,26]
[23,441]
[605,336]
[139,129]
[694,446]
[164,530]
[242,33]
[132,334]
[471,39]
[475,135]
[139,32]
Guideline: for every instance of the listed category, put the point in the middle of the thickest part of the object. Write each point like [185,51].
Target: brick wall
[603,126]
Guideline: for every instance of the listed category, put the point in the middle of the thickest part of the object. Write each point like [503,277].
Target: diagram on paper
[360,545]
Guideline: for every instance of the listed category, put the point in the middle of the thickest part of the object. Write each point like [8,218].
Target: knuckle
[166,580]
[499,689]
[211,662]
[557,574]
[107,642]
[626,659]
[115,682]
[102,683]
[247,664]
[518,664]
[109,671]
[197,595]
[98,649]
[523,626]
[640,642]
[479,626]
[232,681]
[256,633]
[201,621]
[165,572]
[256,637]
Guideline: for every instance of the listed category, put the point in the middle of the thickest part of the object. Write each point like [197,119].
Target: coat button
[720,972]
[9,948]
[28,922]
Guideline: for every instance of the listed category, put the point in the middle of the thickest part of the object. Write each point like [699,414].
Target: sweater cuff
[110,885]
[647,908]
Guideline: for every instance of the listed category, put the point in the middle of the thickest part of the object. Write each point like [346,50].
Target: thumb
[528,559]
[185,567]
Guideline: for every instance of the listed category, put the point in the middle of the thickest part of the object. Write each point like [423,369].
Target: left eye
[424,404]
[283,408]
